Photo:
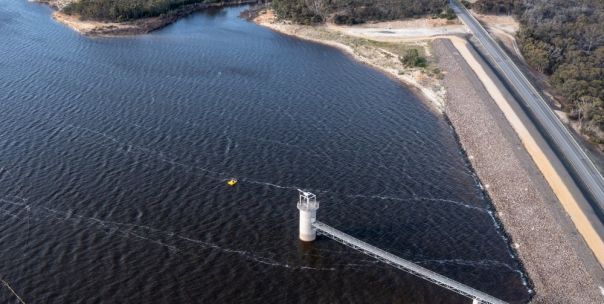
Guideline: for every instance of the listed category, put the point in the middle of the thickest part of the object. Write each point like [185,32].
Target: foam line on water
[102,134]
[129,233]
[473,263]
[118,227]
[172,161]
[418,199]
[125,229]
[499,231]
[257,182]
[479,263]
[12,290]
[9,214]
[251,256]
[228,146]
[222,175]
[161,156]
[131,148]
[498,228]
[173,248]
[4,200]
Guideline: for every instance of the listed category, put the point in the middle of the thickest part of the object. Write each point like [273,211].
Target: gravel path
[558,262]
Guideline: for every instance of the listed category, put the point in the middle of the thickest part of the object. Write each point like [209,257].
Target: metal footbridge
[477,296]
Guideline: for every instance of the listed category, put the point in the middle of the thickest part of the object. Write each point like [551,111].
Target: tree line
[124,10]
[564,39]
[300,11]
[357,11]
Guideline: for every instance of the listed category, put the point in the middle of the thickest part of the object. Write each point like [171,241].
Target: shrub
[412,58]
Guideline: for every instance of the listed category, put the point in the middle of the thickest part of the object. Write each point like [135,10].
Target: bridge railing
[477,296]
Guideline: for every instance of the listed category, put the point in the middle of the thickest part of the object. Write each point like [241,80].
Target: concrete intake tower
[308,205]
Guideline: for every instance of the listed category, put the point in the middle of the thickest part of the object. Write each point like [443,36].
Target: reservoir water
[114,154]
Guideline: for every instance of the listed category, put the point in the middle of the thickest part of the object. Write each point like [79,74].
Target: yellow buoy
[232,182]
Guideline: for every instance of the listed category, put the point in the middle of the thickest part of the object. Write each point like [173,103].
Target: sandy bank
[96,28]
[378,53]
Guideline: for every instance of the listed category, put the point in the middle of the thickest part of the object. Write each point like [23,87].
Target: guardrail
[477,296]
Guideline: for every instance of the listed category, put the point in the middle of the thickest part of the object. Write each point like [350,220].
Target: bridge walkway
[477,296]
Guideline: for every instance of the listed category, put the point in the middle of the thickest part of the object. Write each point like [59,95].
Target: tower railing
[307,200]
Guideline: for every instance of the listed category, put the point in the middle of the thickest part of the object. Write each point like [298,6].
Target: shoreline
[559,263]
[437,93]
[94,28]
[542,242]
[441,106]
[430,87]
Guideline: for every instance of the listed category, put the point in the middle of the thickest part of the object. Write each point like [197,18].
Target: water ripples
[115,154]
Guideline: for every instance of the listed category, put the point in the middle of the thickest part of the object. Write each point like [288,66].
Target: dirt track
[401,30]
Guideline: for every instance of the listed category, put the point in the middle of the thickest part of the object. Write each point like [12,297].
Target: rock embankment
[542,234]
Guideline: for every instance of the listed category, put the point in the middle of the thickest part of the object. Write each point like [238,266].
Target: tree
[564,39]
[594,35]
[412,58]
[318,8]
[355,11]
[583,108]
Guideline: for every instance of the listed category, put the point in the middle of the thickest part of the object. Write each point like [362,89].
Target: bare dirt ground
[366,46]
[507,24]
[91,27]
[504,28]
[402,29]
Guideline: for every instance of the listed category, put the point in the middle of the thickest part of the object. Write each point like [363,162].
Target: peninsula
[125,17]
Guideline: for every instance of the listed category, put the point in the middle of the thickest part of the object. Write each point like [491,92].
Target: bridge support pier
[308,205]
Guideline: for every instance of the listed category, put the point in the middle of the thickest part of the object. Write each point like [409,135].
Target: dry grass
[381,54]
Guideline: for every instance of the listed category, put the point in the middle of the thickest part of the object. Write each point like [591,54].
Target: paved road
[571,151]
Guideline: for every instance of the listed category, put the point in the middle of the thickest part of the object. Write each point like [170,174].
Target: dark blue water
[114,154]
